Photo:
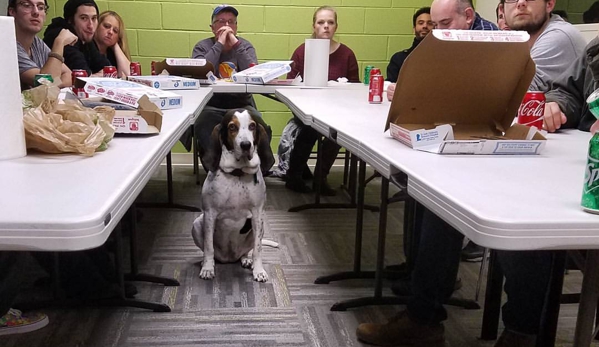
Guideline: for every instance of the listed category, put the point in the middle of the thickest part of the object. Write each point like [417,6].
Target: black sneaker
[473,252]
[297,185]
[325,189]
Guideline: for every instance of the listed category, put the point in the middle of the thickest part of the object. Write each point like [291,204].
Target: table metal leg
[169,185]
[134,275]
[357,272]
[378,298]
[588,301]
[492,299]
[548,330]
[317,183]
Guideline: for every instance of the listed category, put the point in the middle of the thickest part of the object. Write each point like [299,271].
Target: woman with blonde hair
[342,63]
[111,39]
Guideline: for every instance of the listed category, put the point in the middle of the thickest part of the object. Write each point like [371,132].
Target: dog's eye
[252,126]
[232,127]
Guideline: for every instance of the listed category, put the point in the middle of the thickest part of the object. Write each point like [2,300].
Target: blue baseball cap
[224,7]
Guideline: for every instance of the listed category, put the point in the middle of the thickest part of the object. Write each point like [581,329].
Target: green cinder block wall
[156,29]
[575,8]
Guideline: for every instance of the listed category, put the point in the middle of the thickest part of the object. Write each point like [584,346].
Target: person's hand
[66,37]
[223,35]
[553,118]
[232,39]
[390,91]
[595,127]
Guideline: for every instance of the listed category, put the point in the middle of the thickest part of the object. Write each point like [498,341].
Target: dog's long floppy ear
[267,159]
[212,156]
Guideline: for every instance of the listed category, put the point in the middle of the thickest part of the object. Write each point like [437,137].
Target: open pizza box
[459,91]
[184,67]
[147,119]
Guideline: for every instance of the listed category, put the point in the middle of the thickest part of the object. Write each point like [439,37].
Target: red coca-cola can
[532,109]
[77,73]
[110,71]
[135,68]
[80,92]
[375,88]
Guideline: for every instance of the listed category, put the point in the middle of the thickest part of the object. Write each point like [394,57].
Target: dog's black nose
[245,145]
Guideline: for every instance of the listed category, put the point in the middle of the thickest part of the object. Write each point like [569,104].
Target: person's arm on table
[566,101]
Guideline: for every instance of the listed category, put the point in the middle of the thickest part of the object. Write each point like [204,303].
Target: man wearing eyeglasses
[34,56]
[554,45]
[81,18]
[225,51]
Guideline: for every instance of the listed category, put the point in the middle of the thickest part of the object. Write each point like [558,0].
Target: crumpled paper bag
[64,128]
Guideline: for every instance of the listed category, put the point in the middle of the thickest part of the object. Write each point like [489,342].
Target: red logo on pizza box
[92,88]
[133,126]
[110,93]
[101,90]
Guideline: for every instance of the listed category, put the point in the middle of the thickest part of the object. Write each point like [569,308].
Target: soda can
[80,92]
[135,68]
[531,110]
[375,88]
[590,189]
[593,102]
[367,74]
[42,78]
[77,73]
[110,71]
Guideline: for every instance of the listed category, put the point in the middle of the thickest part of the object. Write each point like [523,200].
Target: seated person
[225,46]
[33,55]
[11,277]
[342,63]
[422,25]
[80,18]
[111,39]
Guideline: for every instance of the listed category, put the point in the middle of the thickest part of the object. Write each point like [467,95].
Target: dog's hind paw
[260,276]
[207,273]
[246,262]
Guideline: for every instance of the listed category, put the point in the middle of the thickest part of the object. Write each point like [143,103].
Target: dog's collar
[239,173]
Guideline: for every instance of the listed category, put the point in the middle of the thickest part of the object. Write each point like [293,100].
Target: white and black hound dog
[233,196]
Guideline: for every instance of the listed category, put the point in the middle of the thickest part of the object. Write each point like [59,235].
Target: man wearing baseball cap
[81,18]
[225,50]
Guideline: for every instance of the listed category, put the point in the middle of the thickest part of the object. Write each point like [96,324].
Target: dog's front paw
[246,262]
[260,275]
[207,272]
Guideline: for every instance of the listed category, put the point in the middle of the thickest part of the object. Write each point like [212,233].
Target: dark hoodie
[397,61]
[79,56]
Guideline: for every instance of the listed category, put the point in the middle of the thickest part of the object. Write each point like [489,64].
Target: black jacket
[571,89]
[397,61]
[79,56]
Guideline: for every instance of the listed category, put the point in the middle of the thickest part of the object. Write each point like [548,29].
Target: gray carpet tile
[232,310]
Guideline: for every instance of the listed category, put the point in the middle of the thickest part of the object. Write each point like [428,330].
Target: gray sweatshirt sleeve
[246,54]
[553,53]
[209,50]
[569,91]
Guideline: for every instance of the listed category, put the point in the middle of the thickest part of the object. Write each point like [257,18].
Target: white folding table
[500,202]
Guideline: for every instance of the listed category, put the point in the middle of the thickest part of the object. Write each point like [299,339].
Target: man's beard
[531,27]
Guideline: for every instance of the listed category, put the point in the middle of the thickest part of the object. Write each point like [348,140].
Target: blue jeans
[435,271]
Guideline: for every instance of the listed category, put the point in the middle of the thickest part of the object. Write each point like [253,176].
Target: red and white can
[532,109]
[375,88]
[135,68]
[110,71]
[80,92]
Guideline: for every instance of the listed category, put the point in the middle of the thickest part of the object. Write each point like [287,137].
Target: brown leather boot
[402,331]
[513,339]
